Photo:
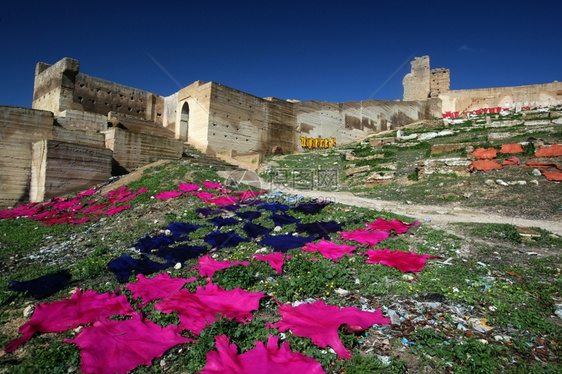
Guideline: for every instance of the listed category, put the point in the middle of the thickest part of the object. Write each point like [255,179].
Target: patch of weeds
[90,267]
[360,364]
[309,279]
[505,232]
[462,356]
[243,335]
[23,235]
[234,277]
[49,357]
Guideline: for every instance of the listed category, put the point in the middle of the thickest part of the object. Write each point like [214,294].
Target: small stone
[501,182]
[342,292]
[177,266]
[535,182]
[492,308]
[277,228]
[536,172]
[489,182]
[28,311]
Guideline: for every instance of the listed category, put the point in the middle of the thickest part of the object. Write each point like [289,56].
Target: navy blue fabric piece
[282,243]
[181,253]
[218,239]
[44,286]
[220,222]
[148,243]
[182,228]
[125,266]
[254,230]
[231,207]
[251,202]
[283,219]
[320,229]
[274,207]
[311,207]
[249,215]
[206,212]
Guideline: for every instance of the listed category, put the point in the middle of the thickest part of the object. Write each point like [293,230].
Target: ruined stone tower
[422,83]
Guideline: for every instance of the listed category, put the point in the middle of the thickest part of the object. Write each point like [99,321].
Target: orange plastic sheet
[512,148]
[531,164]
[553,150]
[552,175]
[483,153]
[485,165]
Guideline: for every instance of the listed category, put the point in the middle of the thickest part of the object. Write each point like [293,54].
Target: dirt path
[438,217]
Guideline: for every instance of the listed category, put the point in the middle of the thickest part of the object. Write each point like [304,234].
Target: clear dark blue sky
[305,50]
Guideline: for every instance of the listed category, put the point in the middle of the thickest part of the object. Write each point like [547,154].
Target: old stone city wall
[422,83]
[241,122]
[136,127]
[60,87]
[536,95]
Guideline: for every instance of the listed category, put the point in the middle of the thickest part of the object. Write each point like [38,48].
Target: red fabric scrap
[207,266]
[134,194]
[159,287]
[329,250]
[553,150]
[116,209]
[203,195]
[212,185]
[165,195]
[86,193]
[366,236]
[542,165]
[200,309]
[320,322]
[512,148]
[403,261]
[398,226]
[483,153]
[188,187]
[224,200]
[275,259]
[485,165]
[120,346]
[511,161]
[82,308]
[552,175]
[259,360]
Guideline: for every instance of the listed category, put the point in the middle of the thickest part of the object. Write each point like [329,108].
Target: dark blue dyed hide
[282,243]
[320,229]
[253,230]
[311,207]
[181,253]
[218,239]
[125,266]
[44,286]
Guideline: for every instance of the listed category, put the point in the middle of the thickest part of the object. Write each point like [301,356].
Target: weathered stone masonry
[74,114]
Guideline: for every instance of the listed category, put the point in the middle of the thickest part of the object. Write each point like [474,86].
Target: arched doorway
[184,122]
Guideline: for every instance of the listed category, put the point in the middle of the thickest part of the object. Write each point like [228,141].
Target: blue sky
[306,50]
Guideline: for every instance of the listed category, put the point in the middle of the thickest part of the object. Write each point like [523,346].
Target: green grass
[517,295]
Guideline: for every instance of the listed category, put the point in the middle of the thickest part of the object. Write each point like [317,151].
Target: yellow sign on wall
[317,143]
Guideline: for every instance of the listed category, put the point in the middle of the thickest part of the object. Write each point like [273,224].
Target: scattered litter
[406,341]
[479,325]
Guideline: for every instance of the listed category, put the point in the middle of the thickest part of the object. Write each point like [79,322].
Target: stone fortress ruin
[81,130]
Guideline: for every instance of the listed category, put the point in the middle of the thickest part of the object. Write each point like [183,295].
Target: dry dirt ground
[436,216]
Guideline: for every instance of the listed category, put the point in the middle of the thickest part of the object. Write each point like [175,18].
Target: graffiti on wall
[317,143]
